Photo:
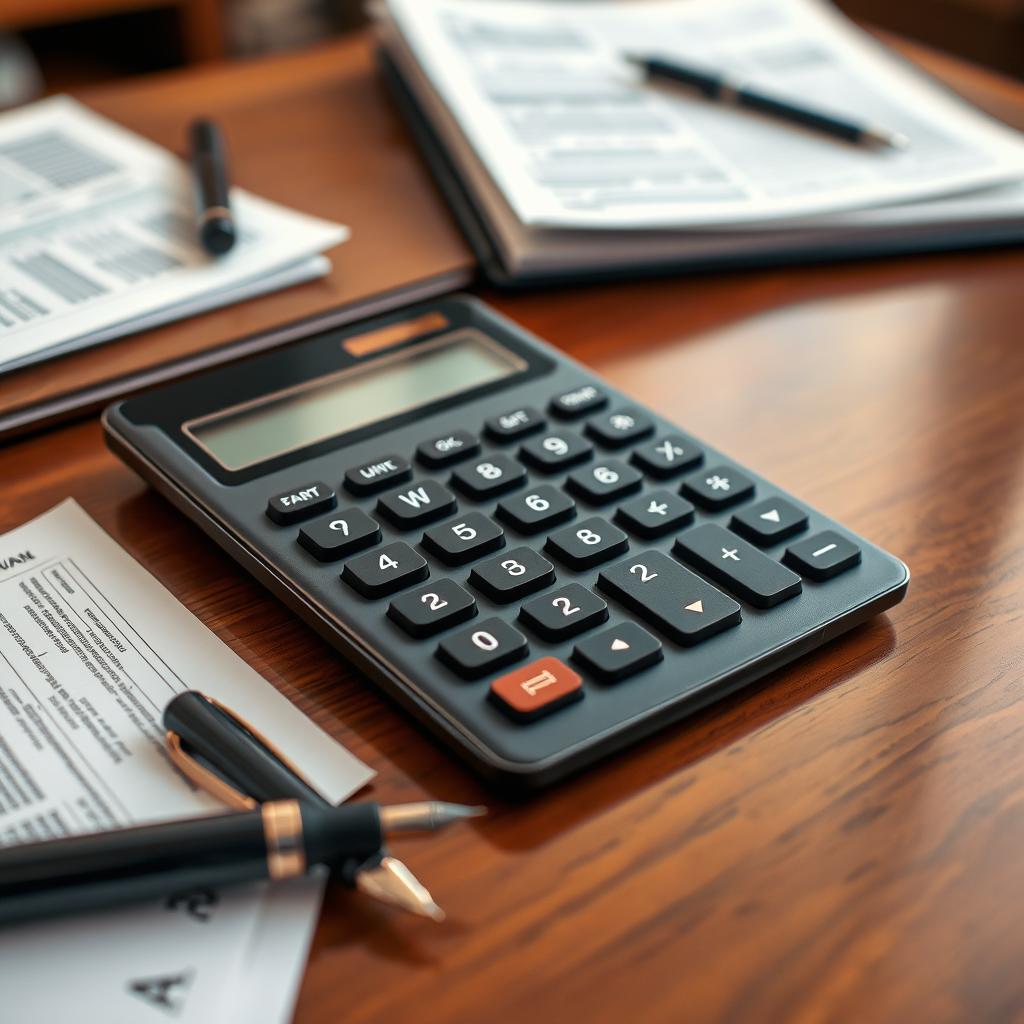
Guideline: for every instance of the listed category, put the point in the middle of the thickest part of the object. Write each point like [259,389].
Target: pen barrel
[806,116]
[234,752]
[209,167]
[128,865]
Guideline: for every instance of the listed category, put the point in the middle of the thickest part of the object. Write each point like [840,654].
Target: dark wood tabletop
[843,841]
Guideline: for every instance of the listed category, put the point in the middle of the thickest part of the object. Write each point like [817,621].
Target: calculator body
[343,470]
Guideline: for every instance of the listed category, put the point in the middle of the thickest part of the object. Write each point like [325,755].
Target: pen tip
[886,138]
[428,816]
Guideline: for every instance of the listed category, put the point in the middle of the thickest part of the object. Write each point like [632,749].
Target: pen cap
[216,740]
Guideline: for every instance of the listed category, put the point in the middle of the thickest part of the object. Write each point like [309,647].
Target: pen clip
[211,781]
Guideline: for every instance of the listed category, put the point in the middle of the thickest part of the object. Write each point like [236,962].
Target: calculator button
[620,428]
[514,423]
[587,543]
[718,487]
[823,556]
[432,607]
[654,514]
[492,475]
[374,476]
[448,448]
[769,521]
[339,535]
[300,503]
[738,565]
[618,652]
[585,398]
[554,452]
[384,570]
[668,456]
[674,600]
[464,539]
[536,689]
[604,482]
[512,574]
[563,613]
[414,506]
[482,647]
[540,509]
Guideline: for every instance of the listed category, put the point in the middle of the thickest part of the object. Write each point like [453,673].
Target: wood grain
[839,843]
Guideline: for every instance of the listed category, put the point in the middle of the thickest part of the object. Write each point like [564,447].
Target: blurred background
[49,46]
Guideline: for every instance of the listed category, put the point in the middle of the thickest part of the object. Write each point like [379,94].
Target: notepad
[569,163]
[98,236]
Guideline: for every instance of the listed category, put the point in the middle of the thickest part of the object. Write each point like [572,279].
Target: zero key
[300,503]
[536,689]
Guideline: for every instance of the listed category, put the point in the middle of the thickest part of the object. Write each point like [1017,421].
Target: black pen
[230,759]
[283,839]
[725,89]
[214,220]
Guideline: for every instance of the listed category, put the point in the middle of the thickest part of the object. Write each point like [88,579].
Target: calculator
[538,567]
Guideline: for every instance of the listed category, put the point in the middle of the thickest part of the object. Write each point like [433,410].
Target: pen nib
[429,816]
[392,882]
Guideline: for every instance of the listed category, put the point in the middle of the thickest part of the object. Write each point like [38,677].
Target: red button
[535,689]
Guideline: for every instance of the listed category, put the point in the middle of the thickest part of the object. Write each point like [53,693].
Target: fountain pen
[229,758]
[281,839]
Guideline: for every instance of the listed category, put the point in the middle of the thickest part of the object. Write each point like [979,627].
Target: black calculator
[538,567]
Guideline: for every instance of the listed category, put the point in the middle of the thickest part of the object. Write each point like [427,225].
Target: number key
[564,613]
[554,452]
[512,574]
[587,543]
[605,482]
[542,508]
[385,570]
[488,476]
[482,647]
[461,541]
[431,608]
[339,535]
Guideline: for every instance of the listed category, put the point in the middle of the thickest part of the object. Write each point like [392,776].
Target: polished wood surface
[315,131]
[843,841]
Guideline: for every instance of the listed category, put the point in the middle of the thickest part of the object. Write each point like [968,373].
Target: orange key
[535,689]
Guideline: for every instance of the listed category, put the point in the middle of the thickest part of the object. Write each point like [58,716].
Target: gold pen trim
[282,827]
[214,213]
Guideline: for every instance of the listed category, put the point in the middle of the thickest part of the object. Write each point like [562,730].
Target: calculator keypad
[377,474]
[413,506]
[587,543]
[823,556]
[512,574]
[470,536]
[619,428]
[515,423]
[300,503]
[489,476]
[536,689]
[563,613]
[674,600]
[605,482]
[718,487]
[385,570]
[769,521]
[448,448]
[432,608]
[553,452]
[737,565]
[655,513]
[538,509]
[577,401]
[482,647]
[618,652]
[340,534]
[668,456]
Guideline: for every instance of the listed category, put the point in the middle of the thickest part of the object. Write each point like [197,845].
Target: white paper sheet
[573,138]
[91,649]
[98,239]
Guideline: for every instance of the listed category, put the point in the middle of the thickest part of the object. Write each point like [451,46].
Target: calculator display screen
[319,409]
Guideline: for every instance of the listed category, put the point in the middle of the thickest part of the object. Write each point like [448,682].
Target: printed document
[98,236]
[91,650]
[574,138]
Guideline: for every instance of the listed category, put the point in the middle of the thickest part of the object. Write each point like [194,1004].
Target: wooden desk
[842,842]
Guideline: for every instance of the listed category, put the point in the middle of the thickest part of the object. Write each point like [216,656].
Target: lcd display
[368,393]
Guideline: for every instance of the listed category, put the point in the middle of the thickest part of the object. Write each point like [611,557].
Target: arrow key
[618,652]
[769,521]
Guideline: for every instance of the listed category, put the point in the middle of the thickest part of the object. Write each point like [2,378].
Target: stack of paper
[91,650]
[98,236]
[571,162]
